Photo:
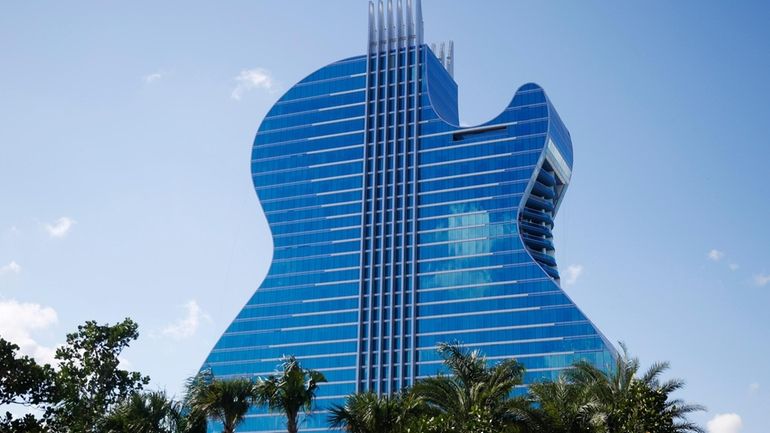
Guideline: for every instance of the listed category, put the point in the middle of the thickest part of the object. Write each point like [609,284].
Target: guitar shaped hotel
[395,228]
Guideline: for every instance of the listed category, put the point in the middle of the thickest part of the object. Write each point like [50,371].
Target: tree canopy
[87,391]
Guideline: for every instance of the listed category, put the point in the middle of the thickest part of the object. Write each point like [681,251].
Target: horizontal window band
[299,154]
[480,158]
[467,200]
[293,169]
[466,256]
[277,360]
[497,209]
[312,195]
[463,188]
[290,315]
[315,152]
[301,140]
[503,343]
[493,358]
[297,302]
[296,328]
[455,176]
[457,241]
[273,276]
[505,266]
[305,286]
[278,346]
[315,110]
[329,122]
[345,92]
[466,130]
[318,206]
[310,232]
[502,328]
[336,241]
[480,143]
[451,271]
[328,164]
[304,181]
[479,313]
[326,95]
[357,250]
[465,227]
[262,133]
[482,298]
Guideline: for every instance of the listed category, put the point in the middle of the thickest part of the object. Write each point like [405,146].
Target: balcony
[536,220]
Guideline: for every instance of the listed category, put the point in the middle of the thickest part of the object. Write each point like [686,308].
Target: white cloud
[572,274]
[725,423]
[155,76]
[60,227]
[761,279]
[251,79]
[753,388]
[18,320]
[10,268]
[188,325]
[716,255]
[733,266]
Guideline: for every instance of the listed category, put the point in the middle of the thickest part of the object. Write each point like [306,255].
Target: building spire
[400,22]
[450,59]
[418,21]
[380,26]
[389,23]
[409,22]
[372,29]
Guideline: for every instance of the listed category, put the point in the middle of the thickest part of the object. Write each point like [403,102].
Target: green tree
[475,397]
[26,424]
[191,421]
[23,382]
[89,381]
[559,407]
[369,413]
[151,412]
[225,401]
[625,402]
[290,391]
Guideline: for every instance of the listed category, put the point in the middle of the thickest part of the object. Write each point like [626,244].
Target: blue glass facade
[395,229]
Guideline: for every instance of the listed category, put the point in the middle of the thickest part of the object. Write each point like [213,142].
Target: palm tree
[628,403]
[369,413]
[290,391]
[149,412]
[152,412]
[559,407]
[476,397]
[226,401]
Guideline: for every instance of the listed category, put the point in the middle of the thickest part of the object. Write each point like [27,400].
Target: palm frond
[656,369]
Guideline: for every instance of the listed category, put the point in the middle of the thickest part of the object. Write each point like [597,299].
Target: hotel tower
[396,228]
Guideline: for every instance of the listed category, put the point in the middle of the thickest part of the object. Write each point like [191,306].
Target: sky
[125,190]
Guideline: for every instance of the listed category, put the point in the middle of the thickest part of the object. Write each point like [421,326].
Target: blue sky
[125,134]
